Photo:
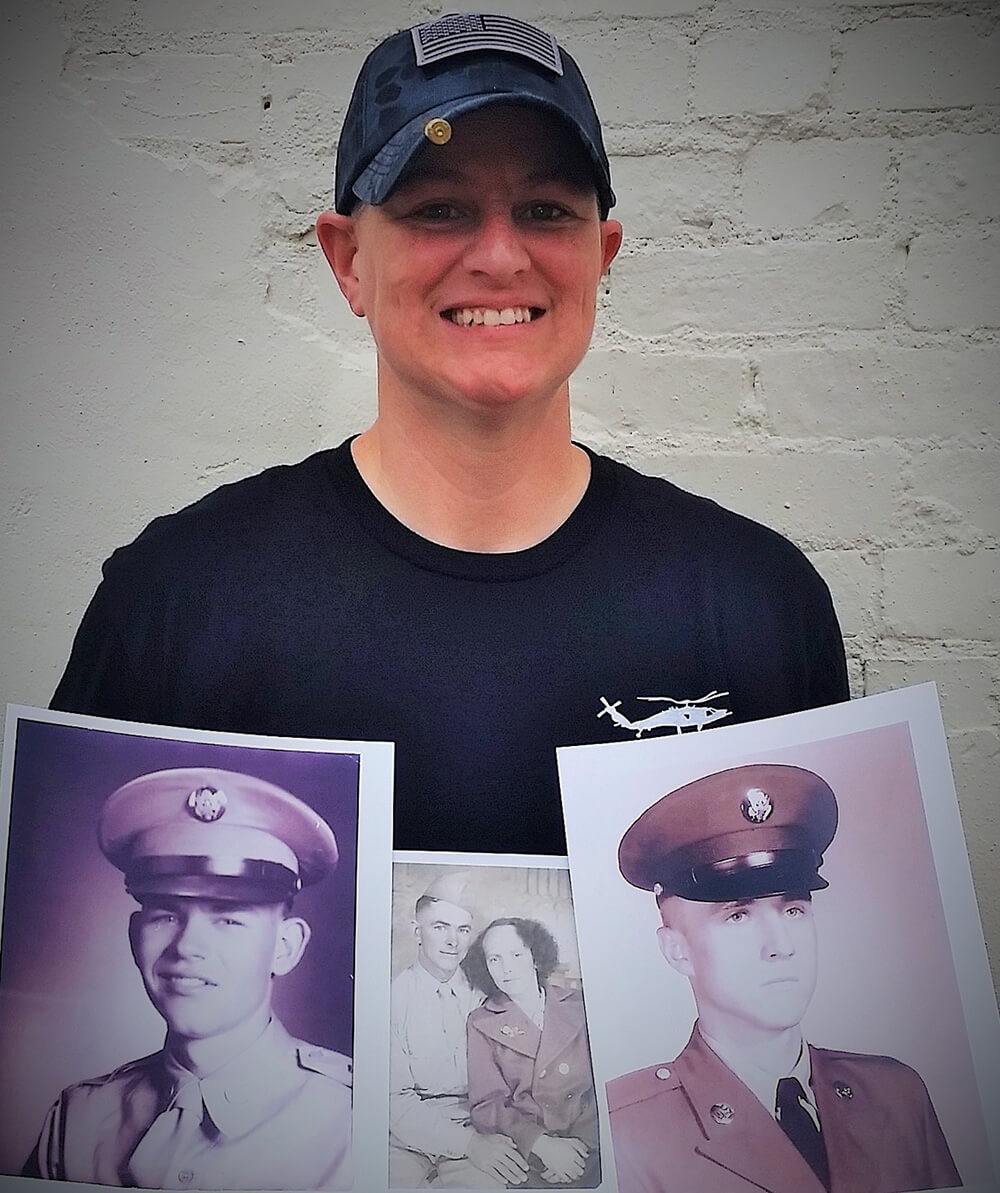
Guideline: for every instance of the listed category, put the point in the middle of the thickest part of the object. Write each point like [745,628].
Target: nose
[497,248]
[778,941]
[189,936]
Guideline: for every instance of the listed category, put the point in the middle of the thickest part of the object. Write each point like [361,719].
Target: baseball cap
[416,81]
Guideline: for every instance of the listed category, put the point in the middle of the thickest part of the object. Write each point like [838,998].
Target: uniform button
[542,1073]
[569,1097]
[564,1068]
[185,1176]
[663,1074]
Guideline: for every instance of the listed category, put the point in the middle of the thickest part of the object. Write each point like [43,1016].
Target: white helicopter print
[686,714]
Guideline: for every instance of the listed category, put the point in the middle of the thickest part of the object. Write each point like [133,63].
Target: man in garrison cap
[733,859]
[231,1101]
[431,1139]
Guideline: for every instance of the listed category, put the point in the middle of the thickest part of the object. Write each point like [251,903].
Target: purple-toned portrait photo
[178,960]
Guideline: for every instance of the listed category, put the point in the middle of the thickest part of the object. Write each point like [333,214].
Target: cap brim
[376,182]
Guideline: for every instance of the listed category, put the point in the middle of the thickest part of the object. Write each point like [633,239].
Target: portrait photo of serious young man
[785,912]
[151,999]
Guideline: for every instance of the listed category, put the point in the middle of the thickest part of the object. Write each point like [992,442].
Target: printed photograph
[178,960]
[796,1016]
[491,1083]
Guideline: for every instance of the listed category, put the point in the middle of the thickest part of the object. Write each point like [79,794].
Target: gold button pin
[438,131]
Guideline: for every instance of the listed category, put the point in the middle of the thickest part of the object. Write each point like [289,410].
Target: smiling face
[207,964]
[444,933]
[510,963]
[752,964]
[479,275]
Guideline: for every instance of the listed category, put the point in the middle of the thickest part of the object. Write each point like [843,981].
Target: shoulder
[333,1067]
[658,506]
[866,1072]
[116,1084]
[249,506]
[641,1087]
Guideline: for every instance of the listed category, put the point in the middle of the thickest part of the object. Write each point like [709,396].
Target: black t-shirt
[292,603]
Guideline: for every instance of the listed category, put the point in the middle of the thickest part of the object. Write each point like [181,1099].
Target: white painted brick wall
[803,322]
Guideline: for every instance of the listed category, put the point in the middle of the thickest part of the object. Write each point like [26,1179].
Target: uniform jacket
[278,1117]
[693,1127]
[522,1081]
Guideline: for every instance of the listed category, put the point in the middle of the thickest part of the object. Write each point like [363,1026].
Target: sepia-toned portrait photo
[177,986]
[491,1083]
[798,1021]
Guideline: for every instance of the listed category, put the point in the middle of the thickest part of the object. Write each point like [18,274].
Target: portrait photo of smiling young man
[180,966]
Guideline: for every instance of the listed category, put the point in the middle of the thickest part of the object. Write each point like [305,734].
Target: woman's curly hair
[538,939]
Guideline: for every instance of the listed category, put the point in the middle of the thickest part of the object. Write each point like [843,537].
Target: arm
[491,1105]
[423,1125]
[46,1160]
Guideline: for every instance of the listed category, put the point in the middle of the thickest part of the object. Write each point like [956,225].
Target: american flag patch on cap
[462,33]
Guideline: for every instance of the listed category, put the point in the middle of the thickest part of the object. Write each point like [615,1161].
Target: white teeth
[489,316]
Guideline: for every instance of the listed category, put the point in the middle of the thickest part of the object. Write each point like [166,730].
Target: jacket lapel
[561,1029]
[508,1025]
[740,1135]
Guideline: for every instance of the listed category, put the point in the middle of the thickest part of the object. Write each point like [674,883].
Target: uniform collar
[241,1093]
[761,1079]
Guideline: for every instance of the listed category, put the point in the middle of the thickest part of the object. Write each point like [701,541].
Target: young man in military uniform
[749,1104]
[432,1140]
[232,1101]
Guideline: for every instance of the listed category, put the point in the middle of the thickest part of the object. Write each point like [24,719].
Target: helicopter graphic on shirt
[685,714]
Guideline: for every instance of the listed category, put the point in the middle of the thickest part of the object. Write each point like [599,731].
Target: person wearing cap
[733,859]
[232,1101]
[432,1140]
[461,578]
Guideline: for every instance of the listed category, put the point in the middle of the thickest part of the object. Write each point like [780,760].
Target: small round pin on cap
[437,130]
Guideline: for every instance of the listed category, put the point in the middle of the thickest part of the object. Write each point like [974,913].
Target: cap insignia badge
[843,1090]
[722,1112]
[756,806]
[207,804]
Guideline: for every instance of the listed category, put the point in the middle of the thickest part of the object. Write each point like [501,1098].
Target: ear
[674,948]
[415,927]
[293,936]
[337,236]
[611,242]
[133,934]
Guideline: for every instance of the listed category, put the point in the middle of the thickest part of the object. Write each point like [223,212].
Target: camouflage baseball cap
[413,84]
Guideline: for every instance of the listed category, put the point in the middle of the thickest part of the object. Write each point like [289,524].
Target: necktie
[798,1125]
[168,1137]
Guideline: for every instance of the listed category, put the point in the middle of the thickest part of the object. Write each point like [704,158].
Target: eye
[439,212]
[737,916]
[795,910]
[543,212]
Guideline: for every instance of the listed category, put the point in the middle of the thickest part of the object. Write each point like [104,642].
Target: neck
[475,482]
[204,1056]
[775,1050]
[435,971]
[530,1001]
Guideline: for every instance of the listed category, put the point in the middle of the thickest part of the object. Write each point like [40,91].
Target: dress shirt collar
[239,1094]
[455,983]
[762,1080]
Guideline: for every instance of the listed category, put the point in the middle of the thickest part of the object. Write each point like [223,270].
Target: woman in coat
[530,1075]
